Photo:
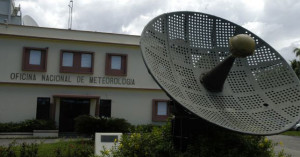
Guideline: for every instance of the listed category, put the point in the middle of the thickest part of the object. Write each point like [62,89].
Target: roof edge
[66,34]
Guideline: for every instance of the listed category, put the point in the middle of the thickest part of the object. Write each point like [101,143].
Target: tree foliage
[211,142]
[295,63]
[297,52]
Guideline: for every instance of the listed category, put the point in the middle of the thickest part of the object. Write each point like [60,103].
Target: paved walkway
[290,144]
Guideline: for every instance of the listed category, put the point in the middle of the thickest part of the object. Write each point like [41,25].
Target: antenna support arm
[241,46]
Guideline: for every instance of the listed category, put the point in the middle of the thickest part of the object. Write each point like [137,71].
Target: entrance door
[71,108]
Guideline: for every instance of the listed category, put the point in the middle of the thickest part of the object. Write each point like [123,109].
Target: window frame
[160,118]
[26,58]
[114,72]
[76,68]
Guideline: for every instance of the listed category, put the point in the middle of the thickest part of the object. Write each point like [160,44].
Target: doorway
[70,108]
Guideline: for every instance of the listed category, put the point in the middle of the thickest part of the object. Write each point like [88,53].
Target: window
[34,59]
[76,62]
[160,110]
[43,108]
[105,108]
[116,64]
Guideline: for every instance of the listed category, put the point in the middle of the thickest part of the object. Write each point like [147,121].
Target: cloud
[285,14]
[46,13]
[112,16]
[262,29]
[275,21]
[287,52]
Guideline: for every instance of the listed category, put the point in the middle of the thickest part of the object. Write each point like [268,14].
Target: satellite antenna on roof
[191,58]
[29,21]
[70,14]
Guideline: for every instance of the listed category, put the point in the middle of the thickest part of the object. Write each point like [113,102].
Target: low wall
[35,133]
[45,133]
[15,134]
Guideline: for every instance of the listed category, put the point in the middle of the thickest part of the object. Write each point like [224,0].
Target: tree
[296,64]
[297,51]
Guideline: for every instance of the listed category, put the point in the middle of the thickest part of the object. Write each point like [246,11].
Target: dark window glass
[105,108]
[43,108]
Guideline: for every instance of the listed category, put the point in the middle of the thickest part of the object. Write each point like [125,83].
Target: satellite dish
[29,21]
[260,94]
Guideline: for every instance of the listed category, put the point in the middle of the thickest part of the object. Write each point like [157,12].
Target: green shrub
[37,124]
[229,144]
[27,126]
[116,125]
[29,150]
[9,127]
[67,148]
[79,149]
[9,151]
[73,148]
[157,142]
[88,125]
[212,141]
[144,128]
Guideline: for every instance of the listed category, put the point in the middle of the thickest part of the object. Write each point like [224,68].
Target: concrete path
[290,144]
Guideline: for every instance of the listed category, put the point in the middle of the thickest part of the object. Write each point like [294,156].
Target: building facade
[59,74]
[9,13]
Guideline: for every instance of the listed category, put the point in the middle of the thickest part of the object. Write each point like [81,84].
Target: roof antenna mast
[70,14]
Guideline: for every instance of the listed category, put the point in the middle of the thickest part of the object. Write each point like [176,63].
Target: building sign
[71,79]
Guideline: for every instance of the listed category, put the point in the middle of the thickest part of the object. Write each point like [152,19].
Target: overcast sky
[275,21]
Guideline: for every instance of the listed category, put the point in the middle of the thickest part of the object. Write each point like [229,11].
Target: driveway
[290,144]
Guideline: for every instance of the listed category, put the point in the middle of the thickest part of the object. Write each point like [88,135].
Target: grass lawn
[65,147]
[291,133]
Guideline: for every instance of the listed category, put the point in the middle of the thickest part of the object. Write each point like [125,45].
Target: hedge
[27,126]
[88,125]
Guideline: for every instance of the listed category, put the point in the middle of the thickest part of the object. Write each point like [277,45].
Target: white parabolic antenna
[260,93]
[29,21]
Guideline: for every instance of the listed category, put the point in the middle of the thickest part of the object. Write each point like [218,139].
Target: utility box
[106,141]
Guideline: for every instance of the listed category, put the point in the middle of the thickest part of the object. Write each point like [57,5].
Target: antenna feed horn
[242,45]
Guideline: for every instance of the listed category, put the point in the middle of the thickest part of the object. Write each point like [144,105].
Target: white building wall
[18,97]
[11,61]
[18,102]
